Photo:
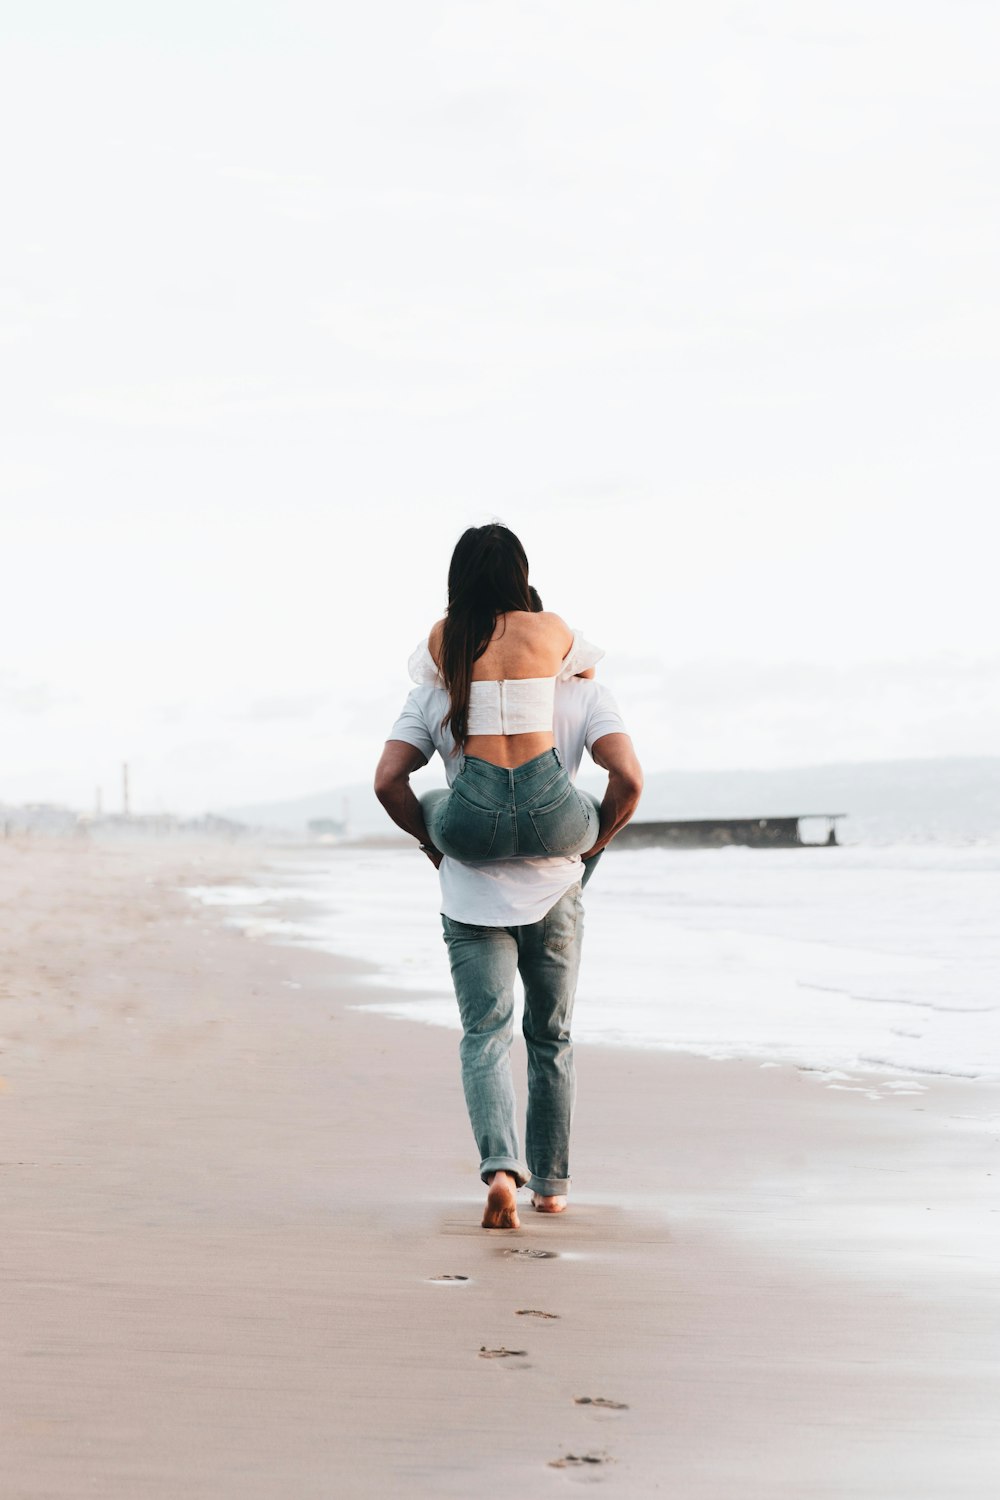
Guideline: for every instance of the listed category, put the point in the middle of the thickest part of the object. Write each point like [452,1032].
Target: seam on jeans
[574,924]
[481,791]
[489,812]
[540,792]
[544,764]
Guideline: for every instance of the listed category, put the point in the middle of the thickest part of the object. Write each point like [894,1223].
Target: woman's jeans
[490,812]
[484,962]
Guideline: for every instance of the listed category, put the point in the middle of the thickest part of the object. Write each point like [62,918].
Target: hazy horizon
[949,800]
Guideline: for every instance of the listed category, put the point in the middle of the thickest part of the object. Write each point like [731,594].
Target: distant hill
[357,803]
[952,800]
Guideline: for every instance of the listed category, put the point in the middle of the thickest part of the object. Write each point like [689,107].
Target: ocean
[852,960]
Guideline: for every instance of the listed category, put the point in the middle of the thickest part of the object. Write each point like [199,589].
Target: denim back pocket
[563,920]
[562,825]
[468,831]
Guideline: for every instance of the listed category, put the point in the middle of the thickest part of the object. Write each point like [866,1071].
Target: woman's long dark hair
[488,575]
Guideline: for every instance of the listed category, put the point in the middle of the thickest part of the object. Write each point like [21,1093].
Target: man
[504,916]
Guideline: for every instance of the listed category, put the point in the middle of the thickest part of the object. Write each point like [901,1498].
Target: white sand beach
[241,1253]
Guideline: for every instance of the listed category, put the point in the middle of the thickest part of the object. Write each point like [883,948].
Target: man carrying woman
[505,693]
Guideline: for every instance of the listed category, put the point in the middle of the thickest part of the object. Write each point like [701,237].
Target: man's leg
[483,965]
[549,960]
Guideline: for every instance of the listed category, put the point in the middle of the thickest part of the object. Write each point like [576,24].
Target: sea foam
[883,959]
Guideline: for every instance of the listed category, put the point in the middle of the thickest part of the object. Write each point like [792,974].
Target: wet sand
[241,1253]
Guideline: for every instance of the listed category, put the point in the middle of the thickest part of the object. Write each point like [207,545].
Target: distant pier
[716,833]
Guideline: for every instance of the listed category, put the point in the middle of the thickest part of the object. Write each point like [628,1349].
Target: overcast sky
[700,298]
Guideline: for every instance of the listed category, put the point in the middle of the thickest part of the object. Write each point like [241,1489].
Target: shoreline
[231,1198]
[288,913]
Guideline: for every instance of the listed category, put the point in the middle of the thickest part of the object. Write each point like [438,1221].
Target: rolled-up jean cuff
[502,1164]
[549,1187]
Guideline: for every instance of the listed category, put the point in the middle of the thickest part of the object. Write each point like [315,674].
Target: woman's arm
[568,646]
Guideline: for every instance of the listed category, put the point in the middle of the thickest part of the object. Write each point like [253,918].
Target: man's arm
[615,754]
[398,762]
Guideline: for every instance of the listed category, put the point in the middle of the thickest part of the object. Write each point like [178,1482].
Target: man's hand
[615,754]
[398,762]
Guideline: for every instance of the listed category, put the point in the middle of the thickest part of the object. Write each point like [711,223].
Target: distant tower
[97,802]
[125,806]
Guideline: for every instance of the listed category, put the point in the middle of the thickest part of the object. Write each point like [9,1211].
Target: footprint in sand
[601,1401]
[527,1254]
[501,1353]
[534,1312]
[578,1460]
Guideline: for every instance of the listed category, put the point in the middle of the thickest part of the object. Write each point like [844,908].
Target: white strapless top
[513,705]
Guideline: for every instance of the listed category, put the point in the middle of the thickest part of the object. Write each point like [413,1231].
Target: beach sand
[232,1205]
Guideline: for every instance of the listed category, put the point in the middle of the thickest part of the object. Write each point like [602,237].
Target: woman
[500,658]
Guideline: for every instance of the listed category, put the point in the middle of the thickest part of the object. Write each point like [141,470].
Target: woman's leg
[593,818]
[461,829]
[468,827]
[432,805]
[565,822]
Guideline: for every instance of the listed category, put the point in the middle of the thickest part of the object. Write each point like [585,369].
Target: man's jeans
[484,961]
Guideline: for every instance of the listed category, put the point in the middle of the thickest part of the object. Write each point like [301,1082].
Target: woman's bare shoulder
[434,638]
[556,627]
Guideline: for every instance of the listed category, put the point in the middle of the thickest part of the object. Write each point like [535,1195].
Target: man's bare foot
[543,1204]
[501,1203]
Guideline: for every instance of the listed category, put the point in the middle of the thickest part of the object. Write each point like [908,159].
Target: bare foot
[549,1205]
[501,1203]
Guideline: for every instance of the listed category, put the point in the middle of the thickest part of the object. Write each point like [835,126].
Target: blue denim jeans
[484,961]
[490,812]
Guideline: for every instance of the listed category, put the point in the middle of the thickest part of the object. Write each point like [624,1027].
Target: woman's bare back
[524,644]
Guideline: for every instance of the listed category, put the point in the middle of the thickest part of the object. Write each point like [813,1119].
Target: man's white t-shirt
[510,892]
